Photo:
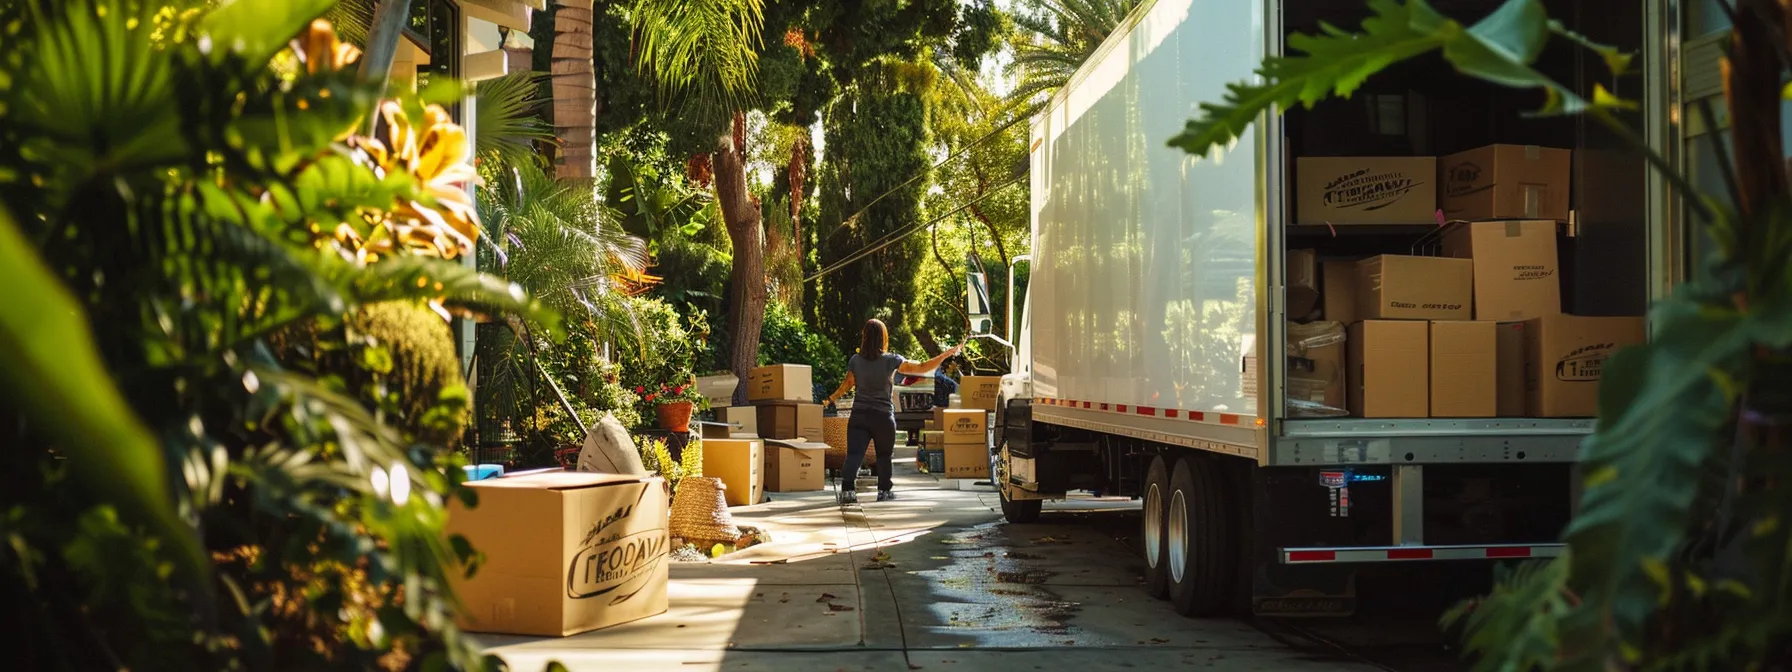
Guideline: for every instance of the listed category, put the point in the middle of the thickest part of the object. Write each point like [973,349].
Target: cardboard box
[1515,264]
[1464,369]
[782,382]
[1316,369]
[1509,342]
[966,460]
[794,469]
[933,438]
[718,389]
[565,552]
[963,425]
[1366,190]
[790,420]
[745,417]
[1397,287]
[1564,358]
[1303,282]
[982,392]
[1339,291]
[1390,369]
[740,463]
[1507,182]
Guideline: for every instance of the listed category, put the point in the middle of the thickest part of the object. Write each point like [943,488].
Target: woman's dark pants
[861,430]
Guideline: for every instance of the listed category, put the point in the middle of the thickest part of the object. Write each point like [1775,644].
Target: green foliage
[657,458]
[1678,554]
[171,190]
[876,140]
[510,118]
[670,345]
[785,339]
[705,52]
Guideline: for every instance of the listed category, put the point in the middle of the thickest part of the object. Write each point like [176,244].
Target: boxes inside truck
[1464,369]
[1506,182]
[1514,267]
[1400,287]
[1564,358]
[1390,369]
[1366,190]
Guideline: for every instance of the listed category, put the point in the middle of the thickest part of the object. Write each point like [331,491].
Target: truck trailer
[1151,356]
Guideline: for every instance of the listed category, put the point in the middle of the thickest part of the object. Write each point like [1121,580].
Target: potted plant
[674,403]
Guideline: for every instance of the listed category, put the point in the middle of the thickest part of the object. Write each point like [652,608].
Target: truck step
[1355,554]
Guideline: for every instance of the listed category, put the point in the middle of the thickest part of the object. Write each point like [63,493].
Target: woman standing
[874,408]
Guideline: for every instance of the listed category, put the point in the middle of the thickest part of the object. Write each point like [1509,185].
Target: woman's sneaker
[849,497]
[885,495]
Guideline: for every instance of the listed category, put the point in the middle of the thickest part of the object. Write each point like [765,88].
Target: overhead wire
[893,237]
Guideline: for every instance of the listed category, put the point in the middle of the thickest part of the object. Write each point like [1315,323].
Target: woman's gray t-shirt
[873,379]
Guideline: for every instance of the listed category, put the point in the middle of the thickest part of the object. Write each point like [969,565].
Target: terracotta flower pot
[674,416]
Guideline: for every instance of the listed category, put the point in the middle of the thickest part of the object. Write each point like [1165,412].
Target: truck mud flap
[1296,592]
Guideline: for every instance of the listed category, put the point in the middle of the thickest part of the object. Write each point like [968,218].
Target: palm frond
[704,51]
[508,120]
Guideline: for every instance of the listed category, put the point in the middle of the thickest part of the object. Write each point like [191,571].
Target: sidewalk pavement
[931,580]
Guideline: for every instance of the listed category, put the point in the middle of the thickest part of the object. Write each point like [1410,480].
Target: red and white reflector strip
[1147,411]
[1312,556]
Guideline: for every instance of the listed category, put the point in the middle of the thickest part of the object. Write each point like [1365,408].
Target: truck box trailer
[1152,355]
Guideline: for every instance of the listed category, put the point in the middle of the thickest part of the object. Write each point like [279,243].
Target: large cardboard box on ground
[1507,182]
[962,425]
[1565,356]
[1366,190]
[565,552]
[782,382]
[1464,369]
[1390,369]
[1515,263]
[794,469]
[1302,287]
[1398,287]
[966,460]
[1339,291]
[740,463]
[980,392]
[1316,370]
[790,420]
[747,417]
[1509,341]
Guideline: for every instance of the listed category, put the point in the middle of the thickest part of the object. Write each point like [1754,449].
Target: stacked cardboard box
[783,412]
[1478,331]
[964,438]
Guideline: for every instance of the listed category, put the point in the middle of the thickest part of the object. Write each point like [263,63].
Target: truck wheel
[1156,502]
[1198,540]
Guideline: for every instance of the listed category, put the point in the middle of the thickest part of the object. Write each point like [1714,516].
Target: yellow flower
[435,155]
[320,51]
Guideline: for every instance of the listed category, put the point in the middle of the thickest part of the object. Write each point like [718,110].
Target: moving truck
[1151,353]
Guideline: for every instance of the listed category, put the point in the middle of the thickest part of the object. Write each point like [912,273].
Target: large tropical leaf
[256,29]
[509,120]
[53,372]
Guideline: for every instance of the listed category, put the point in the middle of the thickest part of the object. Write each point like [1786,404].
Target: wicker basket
[700,513]
[833,432]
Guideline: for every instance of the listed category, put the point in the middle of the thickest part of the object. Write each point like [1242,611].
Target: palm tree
[705,54]
[1053,41]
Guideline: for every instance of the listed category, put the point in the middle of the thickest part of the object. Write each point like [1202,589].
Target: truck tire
[1155,497]
[1198,540]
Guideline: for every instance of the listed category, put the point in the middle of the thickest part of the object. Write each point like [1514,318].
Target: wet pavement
[935,580]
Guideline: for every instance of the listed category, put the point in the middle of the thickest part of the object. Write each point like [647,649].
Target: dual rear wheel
[1189,535]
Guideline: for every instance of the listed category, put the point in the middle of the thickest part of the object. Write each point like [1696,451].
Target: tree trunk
[575,90]
[798,168]
[746,300]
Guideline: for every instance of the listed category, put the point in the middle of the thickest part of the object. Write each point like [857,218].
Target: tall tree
[575,89]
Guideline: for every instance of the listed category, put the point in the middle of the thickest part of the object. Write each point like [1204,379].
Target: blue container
[936,460]
[480,472]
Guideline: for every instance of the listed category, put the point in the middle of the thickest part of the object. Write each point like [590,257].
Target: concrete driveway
[931,581]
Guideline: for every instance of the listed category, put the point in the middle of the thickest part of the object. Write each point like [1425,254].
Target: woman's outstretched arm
[845,386]
[918,368]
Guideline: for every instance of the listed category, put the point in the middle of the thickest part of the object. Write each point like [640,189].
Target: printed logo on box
[620,565]
[1532,272]
[1460,179]
[1585,363]
[1367,191]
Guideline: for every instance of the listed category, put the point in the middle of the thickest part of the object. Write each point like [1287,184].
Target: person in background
[944,385]
[873,417]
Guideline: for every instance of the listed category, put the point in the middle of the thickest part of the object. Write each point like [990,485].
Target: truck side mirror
[976,303]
